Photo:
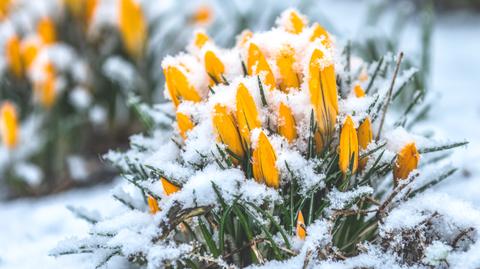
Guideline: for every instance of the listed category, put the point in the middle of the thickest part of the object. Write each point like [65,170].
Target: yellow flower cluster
[299,63]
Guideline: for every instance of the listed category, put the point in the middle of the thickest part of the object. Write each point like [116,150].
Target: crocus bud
[214,67]
[133,27]
[407,161]
[365,136]
[301,233]
[263,162]
[247,114]
[296,22]
[226,130]
[8,125]
[257,64]
[168,187]
[286,123]
[13,56]
[348,152]
[185,124]
[46,30]
[285,60]
[179,87]
[152,204]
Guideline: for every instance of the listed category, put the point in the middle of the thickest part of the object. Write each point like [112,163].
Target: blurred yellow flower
[13,56]
[46,30]
[8,125]
[358,91]
[29,51]
[45,87]
[133,27]
[152,204]
[200,39]
[203,15]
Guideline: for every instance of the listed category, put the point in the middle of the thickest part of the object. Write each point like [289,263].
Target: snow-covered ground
[31,227]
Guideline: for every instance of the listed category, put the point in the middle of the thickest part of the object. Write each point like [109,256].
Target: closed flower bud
[296,22]
[285,60]
[13,56]
[243,38]
[152,204]
[358,91]
[214,67]
[8,125]
[179,87]
[90,9]
[286,123]
[226,129]
[46,30]
[133,27]
[4,7]
[323,96]
[45,88]
[185,124]
[168,187]
[365,136]
[247,114]
[318,32]
[263,162]
[301,232]
[257,64]
[29,51]
[348,152]
[200,39]
[407,161]
[203,15]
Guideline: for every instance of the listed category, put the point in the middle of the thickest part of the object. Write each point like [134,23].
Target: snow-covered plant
[280,155]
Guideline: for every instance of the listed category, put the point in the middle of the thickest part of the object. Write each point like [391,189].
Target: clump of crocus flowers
[279,85]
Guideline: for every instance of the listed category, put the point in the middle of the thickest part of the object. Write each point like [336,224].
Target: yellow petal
[46,30]
[358,91]
[407,161]
[226,130]
[4,8]
[319,31]
[152,204]
[168,187]
[285,60]
[365,136]
[324,100]
[13,56]
[8,125]
[296,22]
[200,39]
[247,114]
[244,37]
[348,147]
[185,124]
[286,123]
[263,162]
[214,67]
[90,9]
[133,27]
[257,64]
[178,83]
[301,233]
[171,86]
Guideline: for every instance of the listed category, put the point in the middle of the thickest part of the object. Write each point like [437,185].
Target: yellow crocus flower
[29,51]
[133,27]
[296,22]
[319,31]
[179,87]
[285,60]
[348,147]
[8,125]
[301,233]
[45,88]
[323,98]
[46,30]
[247,114]
[358,91]
[407,161]
[168,187]
[203,15]
[152,204]
[14,56]
[257,63]
[244,37]
[185,124]
[365,136]
[214,67]
[286,123]
[4,7]
[200,39]
[263,162]
[226,130]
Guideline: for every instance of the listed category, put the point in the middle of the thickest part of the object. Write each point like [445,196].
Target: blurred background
[75,76]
